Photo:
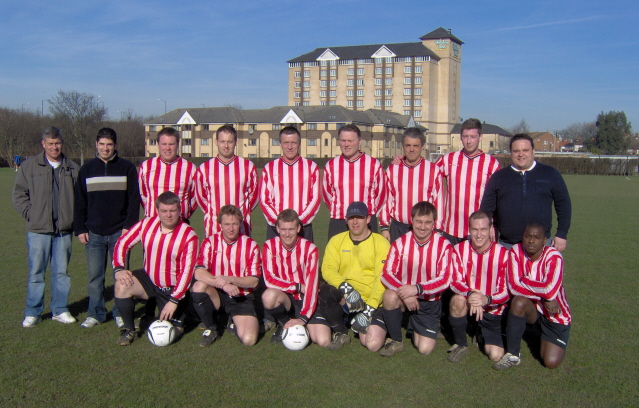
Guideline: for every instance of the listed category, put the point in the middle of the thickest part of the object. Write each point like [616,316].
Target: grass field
[64,365]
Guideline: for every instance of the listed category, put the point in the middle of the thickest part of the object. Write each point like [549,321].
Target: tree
[579,130]
[521,127]
[19,133]
[80,116]
[613,132]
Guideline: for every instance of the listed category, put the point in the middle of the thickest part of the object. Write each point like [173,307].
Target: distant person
[107,205]
[481,293]
[290,182]
[349,177]
[43,195]
[525,192]
[535,278]
[170,251]
[16,162]
[226,179]
[408,182]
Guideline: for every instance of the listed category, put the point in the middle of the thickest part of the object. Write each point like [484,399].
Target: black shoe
[126,337]
[277,336]
[208,337]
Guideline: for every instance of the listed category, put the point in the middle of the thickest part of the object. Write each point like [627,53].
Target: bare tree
[579,130]
[521,127]
[79,116]
[130,135]
[19,133]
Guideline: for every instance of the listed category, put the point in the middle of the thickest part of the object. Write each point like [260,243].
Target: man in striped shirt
[412,180]
[352,176]
[170,251]
[168,172]
[290,182]
[226,179]
[479,283]
[290,271]
[227,272]
[535,278]
[466,173]
[417,271]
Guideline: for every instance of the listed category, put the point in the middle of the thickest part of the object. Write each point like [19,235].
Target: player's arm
[251,275]
[311,284]
[379,188]
[500,291]
[563,208]
[266,197]
[327,188]
[191,190]
[253,191]
[442,279]
[144,192]
[381,247]
[548,288]
[124,244]
[308,213]
[80,207]
[269,265]
[516,272]
[202,189]
[185,265]
[387,205]
[133,199]
[389,279]
[459,274]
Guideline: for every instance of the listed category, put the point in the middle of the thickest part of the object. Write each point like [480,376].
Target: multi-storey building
[417,79]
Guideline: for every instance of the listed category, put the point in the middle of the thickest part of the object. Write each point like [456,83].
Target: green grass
[60,365]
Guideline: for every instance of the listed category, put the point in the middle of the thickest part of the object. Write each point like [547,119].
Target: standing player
[168,172]
[352,176]
[352,268]
[226,179]
[535,277]
[466,173]
[227,271]
[416,273]
[290,271]
[170,251]
[479,283]
[412,180]
[290,182]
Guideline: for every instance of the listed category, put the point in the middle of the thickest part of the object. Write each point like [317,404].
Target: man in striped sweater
[170,252]
[289,263]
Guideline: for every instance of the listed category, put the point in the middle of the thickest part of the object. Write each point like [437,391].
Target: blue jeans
[99,252]
[44,249]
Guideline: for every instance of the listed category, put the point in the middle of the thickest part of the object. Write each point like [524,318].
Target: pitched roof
[366,51]
[441,32]
[486,129]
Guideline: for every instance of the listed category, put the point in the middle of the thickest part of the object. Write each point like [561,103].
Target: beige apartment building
[418,79]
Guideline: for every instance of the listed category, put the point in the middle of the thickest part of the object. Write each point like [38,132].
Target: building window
[322,94]
[360,82]
[323,63]
[298,74]
[360,71]
[406,102]
[306,103]
[323,84]
[153,142]
[307,84]
[418,70]
[332,94]
[297,94]
[326,140]
[367,143]
[349,104]
[275,142]
[297,84]
[252,142]
[389,81]
[297,104]
[331,103]
[312,142]
[204,142]
[378,81]
[350,82]
[407,112]
[323,73]
[386,144]
[378,71]
[350,71]
[186,142]
[333,83]
[406,91]
[492,144]
[378,102]
[407,70]
[418,91]
[407,81]
[350,92]
[252,127]
[205,155]
[360,104]
[333,72]
[307,74]
[378,92]
[311,126]
[275,156]
[322,103]
[306,94]
[360,92]
[276,126]
[311,156]
[389,102]
[252,156]
[418,80]
[418,114]
[417,102]
[389,92]
[389,70]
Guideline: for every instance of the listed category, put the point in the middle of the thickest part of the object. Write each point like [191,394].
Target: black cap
[357,209]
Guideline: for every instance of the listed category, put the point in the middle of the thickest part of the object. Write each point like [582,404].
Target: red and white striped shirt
[406,186]
[484,271]
[240,258]
[169,259]
[293,185]
[220,183]
[427,264]
[358,179]
[539,280]
[284,267]
[157,176]
[466,178]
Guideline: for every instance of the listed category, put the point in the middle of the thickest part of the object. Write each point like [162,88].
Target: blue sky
[551,63]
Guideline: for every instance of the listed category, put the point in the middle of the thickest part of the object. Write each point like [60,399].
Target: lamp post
[162,100]
[23,106]
[42,107]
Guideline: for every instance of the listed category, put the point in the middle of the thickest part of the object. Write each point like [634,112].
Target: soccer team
[464,245]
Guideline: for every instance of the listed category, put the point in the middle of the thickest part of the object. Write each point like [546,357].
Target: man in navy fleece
[525,192]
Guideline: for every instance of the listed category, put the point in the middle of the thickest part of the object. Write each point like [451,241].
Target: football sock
[280,314]
[515,329]
[126,306]
[393,322]
[458,325]
[204,307]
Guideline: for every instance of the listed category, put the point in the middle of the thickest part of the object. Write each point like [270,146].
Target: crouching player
[170,252]
[416,273]
[290,272]
[352,268]
[535,277]
[479,283]
[227,272]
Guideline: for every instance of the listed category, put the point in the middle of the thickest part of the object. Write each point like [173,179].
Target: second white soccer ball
[295,338]
[161,333]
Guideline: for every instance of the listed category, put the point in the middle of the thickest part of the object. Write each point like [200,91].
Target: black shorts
[238,305]
[491,329]
[162,296]
[378,318]
[552,332]
[317,317]
[425,321]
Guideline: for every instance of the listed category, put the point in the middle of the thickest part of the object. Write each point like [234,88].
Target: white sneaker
[30,321]
[89,322]
[119,322]
[65,318]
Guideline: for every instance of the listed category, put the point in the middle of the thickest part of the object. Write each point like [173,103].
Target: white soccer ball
[161,333]
[295,338]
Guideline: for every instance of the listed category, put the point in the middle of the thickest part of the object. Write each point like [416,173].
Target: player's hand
[231,289]
[477,299]
[221,281]
[411,303]
[293,322]
[302,288]
[124,231]
[397,159]
[478,311]
[406,291]
[124,277]
[559,244]
[552,306]
[354,301]
[168,310]
[386,234]
[84,238]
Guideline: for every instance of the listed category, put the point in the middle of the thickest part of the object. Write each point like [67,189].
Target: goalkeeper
[352,267]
